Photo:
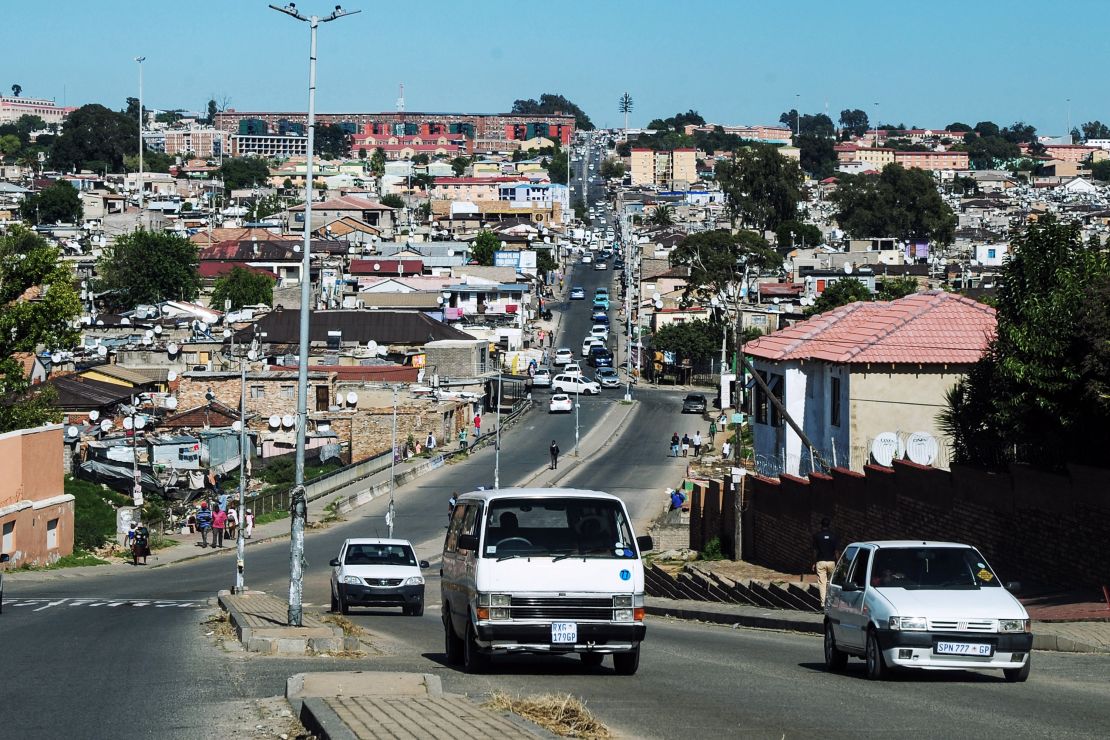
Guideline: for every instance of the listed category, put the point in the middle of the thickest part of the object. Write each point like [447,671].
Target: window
[564,526]
[840,575]
[834,401]
[368,554]
[859,569]
[7,544]
[776,383]
[52,534]
[258,391]
[992,253]
[288,391]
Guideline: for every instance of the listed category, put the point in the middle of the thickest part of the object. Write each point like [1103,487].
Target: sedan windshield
[931,568]
[561,528]
[363,554]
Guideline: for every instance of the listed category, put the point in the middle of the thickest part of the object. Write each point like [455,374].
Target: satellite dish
[655,296]
[102,351]
[171,403]
[252,355]
[105,425]
[884,447]
[237,425]
[275,421]
[372,346]
[227,333]
[72,432]
[172,348]
[56,358]
[94,415]
[352,398]
[377,266]
[171,376]
[100,322]
[148,333]
[127,422]
[713,301]
[847,268]
[157,328]
[148,340]
[659,304]
[775,300]
[125,321]
[287,421]
[203,326]
[921,448]
[140,422]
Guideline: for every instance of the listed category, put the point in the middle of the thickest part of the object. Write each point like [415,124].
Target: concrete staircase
[700,584]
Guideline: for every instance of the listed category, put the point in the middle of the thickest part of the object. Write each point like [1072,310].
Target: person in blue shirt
[204,523]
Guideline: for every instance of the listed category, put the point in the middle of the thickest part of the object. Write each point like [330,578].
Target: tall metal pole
[577,404]
[140,60]
[241,538]
[298,506]
[389,516]
[497,435]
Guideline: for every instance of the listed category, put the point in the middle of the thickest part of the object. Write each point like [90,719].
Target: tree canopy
[1042,389]
[331,142]
[794,233]
[901,203]
[149,267]
[95,138]
[28,323]
[893,288]
[695,340]
[483,247]
[818,155]
[242,287]
[677,122]
[761,186]
[612,168]
[550,103]
[844,291]
[392,200]
[243,172]
[854,122]
[56,204]
[721,262]
[817,124]
[556,166]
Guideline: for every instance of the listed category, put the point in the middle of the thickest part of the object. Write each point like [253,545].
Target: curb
[319,719]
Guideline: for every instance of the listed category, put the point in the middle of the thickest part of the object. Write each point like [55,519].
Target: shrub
[712,550]
[94,518]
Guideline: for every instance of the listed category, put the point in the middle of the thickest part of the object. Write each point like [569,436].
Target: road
[94,655]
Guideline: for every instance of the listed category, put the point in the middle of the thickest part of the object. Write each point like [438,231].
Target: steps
[697,583]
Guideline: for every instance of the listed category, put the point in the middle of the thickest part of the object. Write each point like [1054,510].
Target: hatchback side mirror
[645,543]
[334,562]
[425,564]
[1014,587]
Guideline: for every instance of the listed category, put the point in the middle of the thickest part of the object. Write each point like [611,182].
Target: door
[322,400]
[836,585]
[853,621]
[452,569]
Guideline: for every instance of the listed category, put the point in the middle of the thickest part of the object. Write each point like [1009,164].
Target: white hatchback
[560,402]
[542,378]
[563,355]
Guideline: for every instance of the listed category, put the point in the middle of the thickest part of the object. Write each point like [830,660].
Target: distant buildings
[11,108]
[674,169]
[852,157]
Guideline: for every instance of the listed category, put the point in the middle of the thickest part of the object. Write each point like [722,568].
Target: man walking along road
[712,432]
[219,521]
[204,523]
[826,548]
[674,445]
[554,455]
[697,443]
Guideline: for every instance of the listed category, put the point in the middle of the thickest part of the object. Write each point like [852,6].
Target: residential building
[271,146]
[369,212]
[12,108]
[991,255]
[36,515]
[202,142]
[673,169]
[407,147]
[763,134]
[933,160]
[1076,152]
[850,374]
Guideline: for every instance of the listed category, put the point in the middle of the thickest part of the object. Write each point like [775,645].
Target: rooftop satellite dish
[94,415]
[227,333]
[172,348]
[147,340]
[237,425]
[921,448]
[100,322]
[203,326]
[847,268]
[157,328]
[148,333]
[72,432]
[659,304]
[287,421]
[171,376]
[775,300]
[275,421]
[252,355]
[446,294]
[102,351]
[166,309]
[372,346]
[655,296]
[105,425]
[140,422]
[127,422]
[884,448]
[171,403]
[56,357]
[352,398]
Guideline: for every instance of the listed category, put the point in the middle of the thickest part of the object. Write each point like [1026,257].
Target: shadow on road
[857,670]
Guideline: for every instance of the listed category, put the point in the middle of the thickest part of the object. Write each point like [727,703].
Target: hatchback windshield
[364,554]
[565,527]
[931,568]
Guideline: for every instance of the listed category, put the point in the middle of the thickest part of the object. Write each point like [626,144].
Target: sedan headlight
[917,624]
[1014,625]
[353,580]
[415,581]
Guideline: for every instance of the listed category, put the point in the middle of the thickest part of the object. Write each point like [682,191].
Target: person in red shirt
[477,425]
[219,521]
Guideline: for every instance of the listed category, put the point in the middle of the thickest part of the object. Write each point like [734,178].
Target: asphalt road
[97,656]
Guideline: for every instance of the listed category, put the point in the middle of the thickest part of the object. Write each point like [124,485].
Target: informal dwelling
[860,371]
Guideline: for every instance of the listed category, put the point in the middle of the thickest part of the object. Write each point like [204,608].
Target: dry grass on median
[562,714]
[350,629]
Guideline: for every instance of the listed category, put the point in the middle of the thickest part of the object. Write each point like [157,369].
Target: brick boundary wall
[1034,527]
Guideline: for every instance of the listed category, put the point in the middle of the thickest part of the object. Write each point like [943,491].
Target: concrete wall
[1033,526]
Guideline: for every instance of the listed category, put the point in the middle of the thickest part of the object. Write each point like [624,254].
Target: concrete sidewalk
[1069,637]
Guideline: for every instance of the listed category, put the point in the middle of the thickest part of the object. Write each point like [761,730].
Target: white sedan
[560,403]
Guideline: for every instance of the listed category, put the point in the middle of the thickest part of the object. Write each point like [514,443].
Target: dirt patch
[562,714]
[266,717]
[218,627]
[350,629]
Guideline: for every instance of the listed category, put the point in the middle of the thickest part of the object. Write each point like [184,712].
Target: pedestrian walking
[712,431]
[462,439]
[430,443]
[696,441]
[131,533]
[477,425]
[726,450]
[248,524]
[204,523]
[554,455]
[674,445]
[685,444]
[826,549]
[232,521]
[222,501]
[219,522]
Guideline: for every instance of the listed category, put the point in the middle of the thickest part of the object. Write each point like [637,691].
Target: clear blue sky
[734,61]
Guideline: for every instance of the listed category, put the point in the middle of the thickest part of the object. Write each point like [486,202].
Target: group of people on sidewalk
[684,444]
[220,520]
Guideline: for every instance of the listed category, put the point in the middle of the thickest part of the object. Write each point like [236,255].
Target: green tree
[332,142]
[242,287]
[545,263]
[377,161]
[793,233]
[854,122]
[243,172]
[28,323]
[152,162]
[459,165]
[392,200]
[612,168]
[818,155]
[485,244]
[1040,389]
[56,204]
[1095,130]
[901,203]
[550,103]
[958,127]
[721,263]
[663,215]
[556,167]
[696,340]
[93,134]
[212,108]
[1101,170]
[10,145]
[893,288]
[844,291]
[149,267]
[362,154]
[581,212]
[421,159]
[761,186]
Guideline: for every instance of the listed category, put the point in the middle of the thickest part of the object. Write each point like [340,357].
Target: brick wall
[1033,527]
[370,430]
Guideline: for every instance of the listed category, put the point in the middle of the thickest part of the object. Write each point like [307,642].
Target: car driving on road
[542,378]
[377,572]
[694,403]
[578,293]
[589,342]
[563,355]
[575,384]
[560,402]
[607,377]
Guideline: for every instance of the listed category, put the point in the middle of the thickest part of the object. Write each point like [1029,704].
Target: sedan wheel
[1019,675]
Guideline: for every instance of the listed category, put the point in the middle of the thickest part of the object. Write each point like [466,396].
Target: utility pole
[298,505]
[389,514]
[497,435]
[140,60]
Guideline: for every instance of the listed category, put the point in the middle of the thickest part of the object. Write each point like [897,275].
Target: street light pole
[497,435]
[298,505]
[577,405]
[140,60]
[389,514]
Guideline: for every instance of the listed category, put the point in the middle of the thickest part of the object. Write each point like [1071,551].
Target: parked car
[599,317]
[577,293]
[933,605]
[572,368]
[575,384]
[600,357]
[377,572]
[563,355]
[560,402]
[534,570]
[601,331]
[589,342]
[602,291]
[607,377]
[542,378]
[694,403]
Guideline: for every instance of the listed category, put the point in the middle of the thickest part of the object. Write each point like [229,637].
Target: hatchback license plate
[964,648]
[564,632]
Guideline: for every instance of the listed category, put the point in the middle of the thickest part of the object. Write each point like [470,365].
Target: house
[848,375]
[369,212]
[36,515]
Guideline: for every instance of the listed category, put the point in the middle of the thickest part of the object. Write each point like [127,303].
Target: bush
[94,518]
[712,550]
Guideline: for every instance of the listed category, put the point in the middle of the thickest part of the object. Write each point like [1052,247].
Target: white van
[931,605]
[542,570]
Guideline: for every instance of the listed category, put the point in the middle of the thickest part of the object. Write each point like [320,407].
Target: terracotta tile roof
[346,203]
[930,328]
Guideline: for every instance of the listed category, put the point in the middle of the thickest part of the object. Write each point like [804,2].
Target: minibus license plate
[564,632]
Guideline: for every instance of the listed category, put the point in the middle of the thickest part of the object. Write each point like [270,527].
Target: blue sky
[734,61]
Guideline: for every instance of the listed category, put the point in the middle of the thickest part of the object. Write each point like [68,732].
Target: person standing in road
[554,455]
[712,431]
[477,425]
[204,523]
[696,441]
[248,524]
[826,549]
[685,444]
[219,521]
[674,445]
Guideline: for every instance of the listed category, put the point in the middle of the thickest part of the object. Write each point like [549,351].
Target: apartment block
[11,108]
[668,168]
[274,146]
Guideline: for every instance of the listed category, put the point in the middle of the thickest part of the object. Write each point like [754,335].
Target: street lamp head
[140,60]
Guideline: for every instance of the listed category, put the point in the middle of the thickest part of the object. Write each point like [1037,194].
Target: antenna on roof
[401,98]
